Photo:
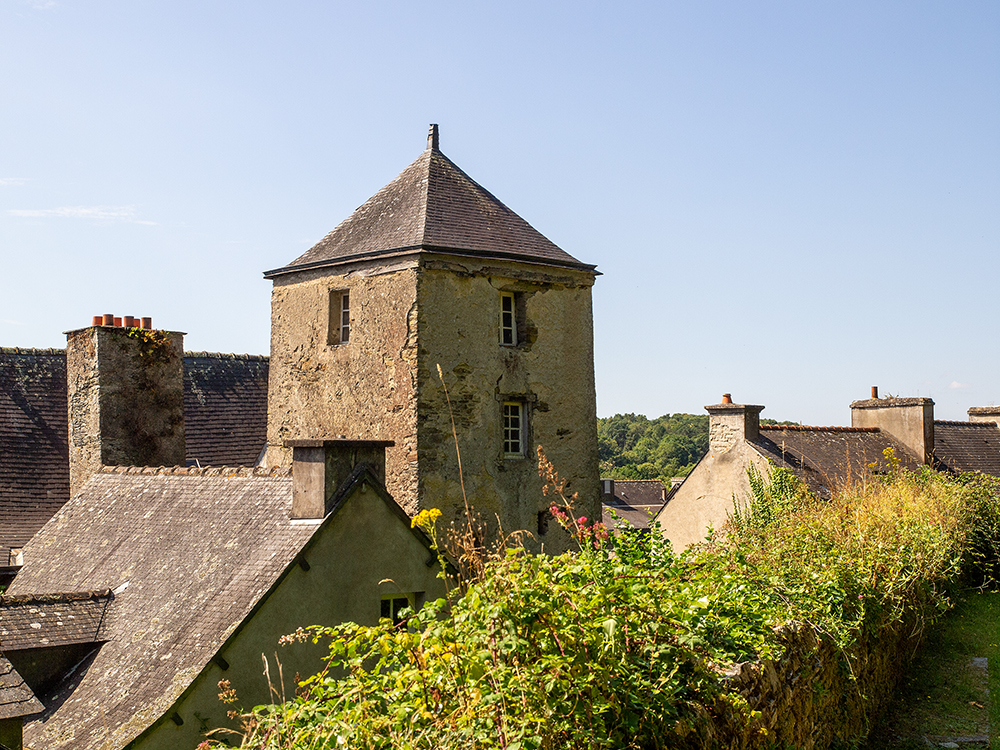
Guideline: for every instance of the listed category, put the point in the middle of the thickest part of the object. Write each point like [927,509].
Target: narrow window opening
[339,330]
[513,429]
[508,319]
[393,606]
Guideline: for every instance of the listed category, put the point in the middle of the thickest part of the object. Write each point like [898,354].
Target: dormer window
[339,330]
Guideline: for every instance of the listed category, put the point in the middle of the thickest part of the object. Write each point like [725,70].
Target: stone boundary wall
[817,695]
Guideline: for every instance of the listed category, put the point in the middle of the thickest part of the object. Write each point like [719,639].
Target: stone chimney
[729,424]
[908,420]
[985,414]
[126,397]
[320,467]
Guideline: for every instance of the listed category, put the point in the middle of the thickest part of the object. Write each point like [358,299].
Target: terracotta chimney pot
[727,398]
[109,319]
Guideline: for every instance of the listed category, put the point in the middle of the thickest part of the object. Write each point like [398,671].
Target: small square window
[508,319]
[339,330]
[513,429]
[393,605]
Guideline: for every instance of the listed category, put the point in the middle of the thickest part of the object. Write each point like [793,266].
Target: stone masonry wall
[125,398]
[814,697]
[551,371]
[364,389]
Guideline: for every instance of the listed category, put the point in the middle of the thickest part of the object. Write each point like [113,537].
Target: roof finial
[432,138]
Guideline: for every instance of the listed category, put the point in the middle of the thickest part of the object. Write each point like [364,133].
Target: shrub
[624,644]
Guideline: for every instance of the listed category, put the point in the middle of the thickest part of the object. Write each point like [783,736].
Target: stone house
[183,577]
[142,586]
[435,272]
[823,457]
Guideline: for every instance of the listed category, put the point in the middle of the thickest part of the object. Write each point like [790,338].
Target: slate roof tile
[148,536]
[225,415]
[828,457]
[34,453]
[16,698]
[225,408]
[432,205]
[35,621]
[967,446]
[635,500]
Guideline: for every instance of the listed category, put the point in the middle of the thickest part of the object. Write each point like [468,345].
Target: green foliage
[623,644]
[631,446]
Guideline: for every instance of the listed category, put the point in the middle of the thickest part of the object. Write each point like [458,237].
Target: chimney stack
[729,424]
[126,398]
[984,414]
[320,468]
[908,420]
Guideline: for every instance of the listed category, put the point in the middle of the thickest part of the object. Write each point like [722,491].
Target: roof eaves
[414,249]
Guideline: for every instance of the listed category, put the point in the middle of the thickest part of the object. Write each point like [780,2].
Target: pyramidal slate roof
[432,205]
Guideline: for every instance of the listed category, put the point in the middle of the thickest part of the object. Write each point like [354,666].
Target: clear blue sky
[789,201]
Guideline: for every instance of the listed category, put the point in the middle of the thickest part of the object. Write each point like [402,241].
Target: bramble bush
[625,644]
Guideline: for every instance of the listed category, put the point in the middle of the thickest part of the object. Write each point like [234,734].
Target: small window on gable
[394,604]
[508,319]
[339,330]
[513,429]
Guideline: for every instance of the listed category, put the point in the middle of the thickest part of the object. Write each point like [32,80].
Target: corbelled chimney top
[433,140]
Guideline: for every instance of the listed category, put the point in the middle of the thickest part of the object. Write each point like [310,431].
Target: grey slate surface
[434,205]
[225,408]
[188,552]
[16,698]
[33,621]
[967,446]
[225,415]
[635,500]
[34,454]
[828,457]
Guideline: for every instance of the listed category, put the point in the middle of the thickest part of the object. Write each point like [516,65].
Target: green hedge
[786,630]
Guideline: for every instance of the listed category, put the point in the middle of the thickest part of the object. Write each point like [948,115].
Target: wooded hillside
[631,446]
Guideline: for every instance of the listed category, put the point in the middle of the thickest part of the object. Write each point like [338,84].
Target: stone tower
[433,271]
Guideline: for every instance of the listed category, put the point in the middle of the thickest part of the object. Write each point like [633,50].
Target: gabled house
[186,576]
[824,458]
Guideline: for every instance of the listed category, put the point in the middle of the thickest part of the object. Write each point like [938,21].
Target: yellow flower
[425,519]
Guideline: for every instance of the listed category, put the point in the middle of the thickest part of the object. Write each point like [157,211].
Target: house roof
[828,457]
[635,500]
[225,416]
[432,205]
[34,621]
[225,408]
[967,446]
[189,553]
[34,453]
[16,698]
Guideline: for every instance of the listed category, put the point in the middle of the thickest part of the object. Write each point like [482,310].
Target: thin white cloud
[11,181]
[97,213]
[11,322]
[956,384]
[42,4]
